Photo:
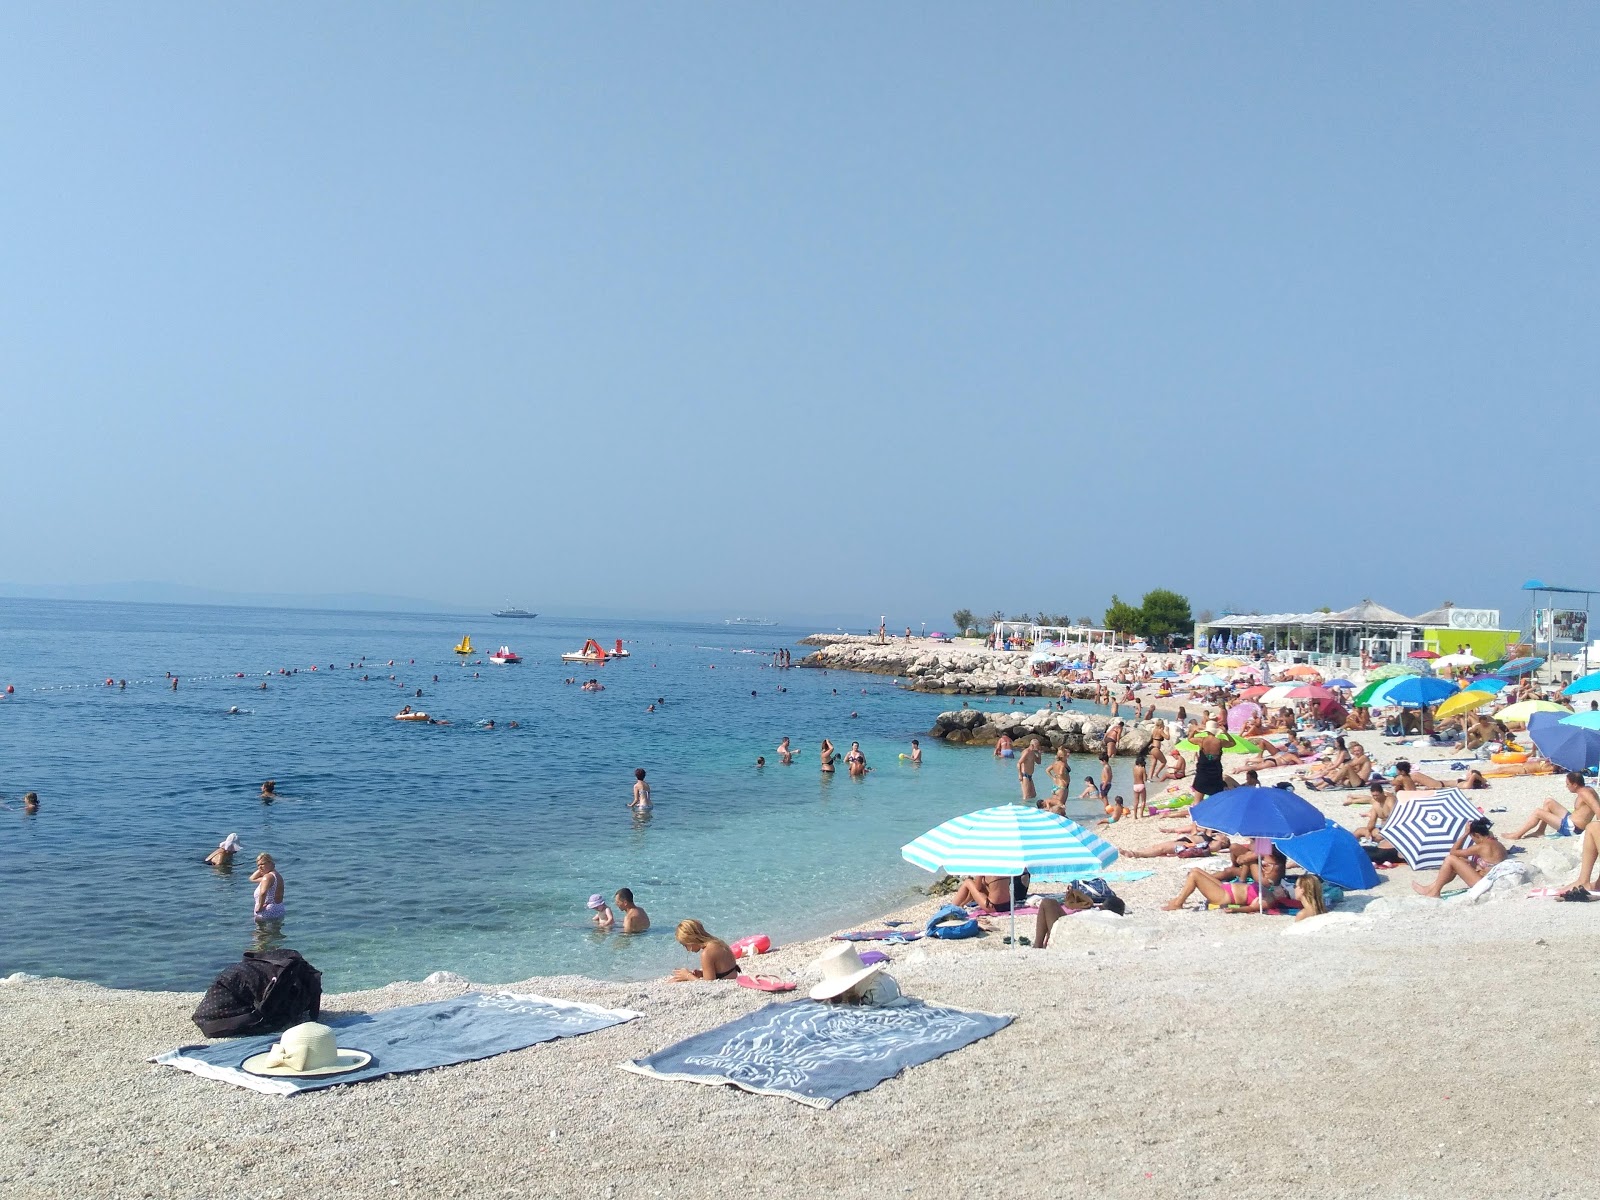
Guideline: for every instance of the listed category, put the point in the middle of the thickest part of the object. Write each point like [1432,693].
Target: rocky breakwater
[928,666]
[1080,733]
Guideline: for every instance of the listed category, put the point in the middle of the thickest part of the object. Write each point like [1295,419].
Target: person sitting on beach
[1556,819]
[1476,853]
[1359,721]
[222,856]
[1115,809]
[995,892]
[1308,890]
[716,960]
[847,980]
[1353,774]
[1236,886]
[603,917]
[1336,758]
[1382,803]
[269,889]
[634,918]
[1253,727]
[1408,780]
[785,755]
[1177,765]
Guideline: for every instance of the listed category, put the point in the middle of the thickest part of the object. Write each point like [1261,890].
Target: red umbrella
[1311,692]
[1423,654]
[1252,693]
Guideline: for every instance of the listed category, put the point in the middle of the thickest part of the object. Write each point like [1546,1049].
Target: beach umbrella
[1254,693]
[1240,746]
[1340,683]
[1310,692]
[1488,683]
[1301,671]
[1424,654]
[1571,747]
[1239,715]
[1588,683]
[1166,675]
[1010,840]
[1331,853]
[1278,694]
[1518,714]
[1371,696]
[1389,671]
[1458,660]
[1424,825]
[1464,702]
[1208,680]
[1583,720]
[1521,666]
[1226,664]
[1418,691]
[1261,813]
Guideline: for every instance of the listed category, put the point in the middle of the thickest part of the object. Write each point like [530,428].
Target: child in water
[604,918]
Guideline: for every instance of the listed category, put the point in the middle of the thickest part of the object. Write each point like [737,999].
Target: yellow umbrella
[1463,702]
[1226,663]
[1518,714]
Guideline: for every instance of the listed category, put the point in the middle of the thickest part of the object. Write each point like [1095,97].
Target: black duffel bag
[268,991]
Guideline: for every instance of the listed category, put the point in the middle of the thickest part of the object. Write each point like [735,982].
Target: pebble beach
[1399,1046]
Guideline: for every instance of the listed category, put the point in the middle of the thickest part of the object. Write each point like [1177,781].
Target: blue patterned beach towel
[817,1054]
[413,1038]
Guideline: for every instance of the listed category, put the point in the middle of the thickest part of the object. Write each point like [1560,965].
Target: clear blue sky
[801,310]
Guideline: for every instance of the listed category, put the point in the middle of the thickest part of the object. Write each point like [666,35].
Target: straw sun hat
[842,969]
[306,1050]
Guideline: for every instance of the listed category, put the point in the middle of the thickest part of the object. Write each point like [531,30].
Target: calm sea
[408,849]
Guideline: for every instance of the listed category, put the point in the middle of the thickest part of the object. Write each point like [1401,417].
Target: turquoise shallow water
[408,849]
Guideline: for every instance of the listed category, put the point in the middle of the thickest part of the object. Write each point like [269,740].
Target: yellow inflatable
[466,645]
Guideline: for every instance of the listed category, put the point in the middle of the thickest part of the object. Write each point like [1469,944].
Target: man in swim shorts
[1026,763]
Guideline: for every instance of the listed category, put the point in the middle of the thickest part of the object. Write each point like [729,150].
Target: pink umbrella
[1311,692]
[1239,715]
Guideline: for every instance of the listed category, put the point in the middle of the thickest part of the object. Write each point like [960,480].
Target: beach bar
[1378,632]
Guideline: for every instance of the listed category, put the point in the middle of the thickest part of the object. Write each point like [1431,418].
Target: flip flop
[766,983]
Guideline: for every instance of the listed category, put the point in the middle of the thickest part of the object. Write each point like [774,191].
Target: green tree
[1163,613]
[963,619]
[1123,618]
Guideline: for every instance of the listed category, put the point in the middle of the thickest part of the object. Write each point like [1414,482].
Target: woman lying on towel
[1236,887]
[1291,752]
[716,960]
[1187,845]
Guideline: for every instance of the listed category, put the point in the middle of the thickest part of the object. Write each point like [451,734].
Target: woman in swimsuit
[716,960]
[269,889]
[1141,807]
[1243,892]
[855,761]
[828,757]
[641,791]
[1208,762]
[1476,852]
[1158,759]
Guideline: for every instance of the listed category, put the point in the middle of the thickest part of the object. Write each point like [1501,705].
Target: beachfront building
[1025,635]
[1368,630]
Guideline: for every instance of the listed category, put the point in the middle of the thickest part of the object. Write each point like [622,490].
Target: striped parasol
[1009,840]
[1424,825]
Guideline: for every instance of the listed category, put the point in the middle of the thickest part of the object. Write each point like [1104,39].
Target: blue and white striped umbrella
[1424,825]
[1009,840]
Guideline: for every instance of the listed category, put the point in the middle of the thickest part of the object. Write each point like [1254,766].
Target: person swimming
[222,856]
[269,792]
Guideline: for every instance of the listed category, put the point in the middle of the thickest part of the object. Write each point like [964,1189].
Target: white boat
[593,653]
[510,611]
[761,621]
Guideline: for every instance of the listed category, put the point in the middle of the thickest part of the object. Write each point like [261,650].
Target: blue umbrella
[1583,720]
[1165,675]
[1417,691]
[1257,812]
[1487,683]
[1521,666]
[1340,683]
[1424,825]
[1571,747]
[1333,854]
[1589,683]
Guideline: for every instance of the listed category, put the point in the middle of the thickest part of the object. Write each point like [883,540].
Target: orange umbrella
[1302,671]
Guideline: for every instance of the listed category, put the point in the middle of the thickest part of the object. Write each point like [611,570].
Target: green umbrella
[1240,746]
[1364,696]
[1390,670]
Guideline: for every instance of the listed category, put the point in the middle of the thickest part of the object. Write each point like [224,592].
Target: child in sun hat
[604,918]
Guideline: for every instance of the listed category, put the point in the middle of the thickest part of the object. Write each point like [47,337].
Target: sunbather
[1591,853]
[1352,774]
[1408,780]
[1382,802]
[1187,845]
[1476,852]
[1556,819]
[1308,890]
[997,892]
[1238,886]
[716,960]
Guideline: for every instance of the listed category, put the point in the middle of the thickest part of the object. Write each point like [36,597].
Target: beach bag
[952,922]
[267,991]
[1100,895]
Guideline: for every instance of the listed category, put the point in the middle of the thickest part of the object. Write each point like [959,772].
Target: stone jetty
[962,668]
[1080,733]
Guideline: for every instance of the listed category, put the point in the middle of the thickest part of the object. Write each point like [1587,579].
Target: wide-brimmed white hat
[308,1049]
[842,969]
[231,843]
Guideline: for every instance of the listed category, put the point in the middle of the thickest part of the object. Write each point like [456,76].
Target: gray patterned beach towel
[413,1038]
[819,1053]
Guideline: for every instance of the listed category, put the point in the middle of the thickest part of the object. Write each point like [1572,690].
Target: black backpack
[268,991]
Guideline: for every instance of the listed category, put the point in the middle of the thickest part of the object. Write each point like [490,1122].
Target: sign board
[1560,625]
[1474,618]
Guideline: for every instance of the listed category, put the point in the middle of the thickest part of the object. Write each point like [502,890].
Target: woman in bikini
[828,757]
[1240,891]
[855,761]
[1476,853]
[716,960]
[1141,806]
[269,889]
[1157,757]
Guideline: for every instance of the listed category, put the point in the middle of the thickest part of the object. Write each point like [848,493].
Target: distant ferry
[748,621]
[508,611]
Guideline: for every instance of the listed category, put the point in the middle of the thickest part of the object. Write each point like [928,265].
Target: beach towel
[879,935]
[414,1038]
[817,1054]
